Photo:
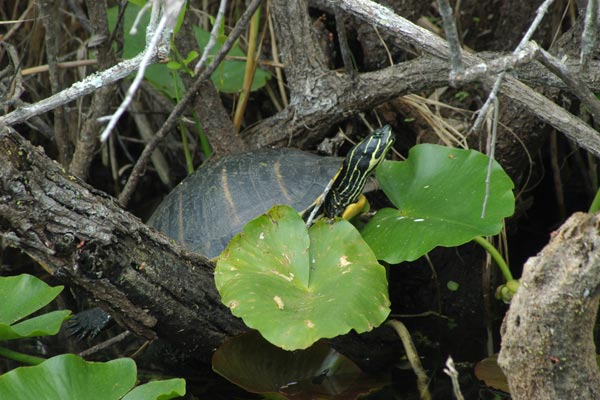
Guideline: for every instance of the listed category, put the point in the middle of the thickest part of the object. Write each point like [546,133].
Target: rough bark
[334,98]
[547,342]
[81,235]
[88,140]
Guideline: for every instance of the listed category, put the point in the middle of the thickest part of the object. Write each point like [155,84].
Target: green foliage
[461,95]
[296,285]
[439,193]
[23,295]
[159,390]
[68,376]
[595,206]
[174,65]
[228,78]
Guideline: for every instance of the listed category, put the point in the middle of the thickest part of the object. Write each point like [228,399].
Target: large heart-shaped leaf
[68,376]
[439,192]
[23,295]
[296,286]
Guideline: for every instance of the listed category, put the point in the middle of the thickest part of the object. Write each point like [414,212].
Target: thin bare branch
[589,37]
[491,152]
[340,25]
[413,357]
[296,122]
[498,65]
[541,11]
[213,36]
[453,40]
[451,371]
[173,118]
[572,80]
[51,17]
[87,141]
[158,44]
[144,62]
[77,90]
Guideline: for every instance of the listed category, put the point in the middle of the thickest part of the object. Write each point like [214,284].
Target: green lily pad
[23,295]
[439,192]
[160,390]
[68,376]
[257,366]
[297,286]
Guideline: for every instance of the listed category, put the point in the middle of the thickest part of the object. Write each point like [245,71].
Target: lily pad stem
[483,242]
[595,203]
[20,357]
[413,357]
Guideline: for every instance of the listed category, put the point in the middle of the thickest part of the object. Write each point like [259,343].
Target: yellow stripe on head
[358,165]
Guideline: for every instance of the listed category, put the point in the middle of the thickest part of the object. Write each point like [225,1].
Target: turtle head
[358,165]
[368,154]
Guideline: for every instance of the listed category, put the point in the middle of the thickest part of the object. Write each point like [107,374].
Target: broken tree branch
[518,92]
[333,97]
[152,286]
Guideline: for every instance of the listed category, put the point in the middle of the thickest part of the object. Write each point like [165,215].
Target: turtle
[214,203]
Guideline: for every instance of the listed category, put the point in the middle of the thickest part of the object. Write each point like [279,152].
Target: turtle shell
[214,203]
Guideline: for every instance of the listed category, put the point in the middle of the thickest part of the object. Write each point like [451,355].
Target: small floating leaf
[257,366]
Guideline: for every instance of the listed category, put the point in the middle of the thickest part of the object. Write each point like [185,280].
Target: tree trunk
[547,342]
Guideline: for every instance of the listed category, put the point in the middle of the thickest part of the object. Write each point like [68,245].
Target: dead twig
[173,118]
[451,371]
[589,37]
[541,11]
[158,36]
[213,36]
[77,90]
[318,114]
[453,40]
[498,65]
[51,17]
[573,82]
